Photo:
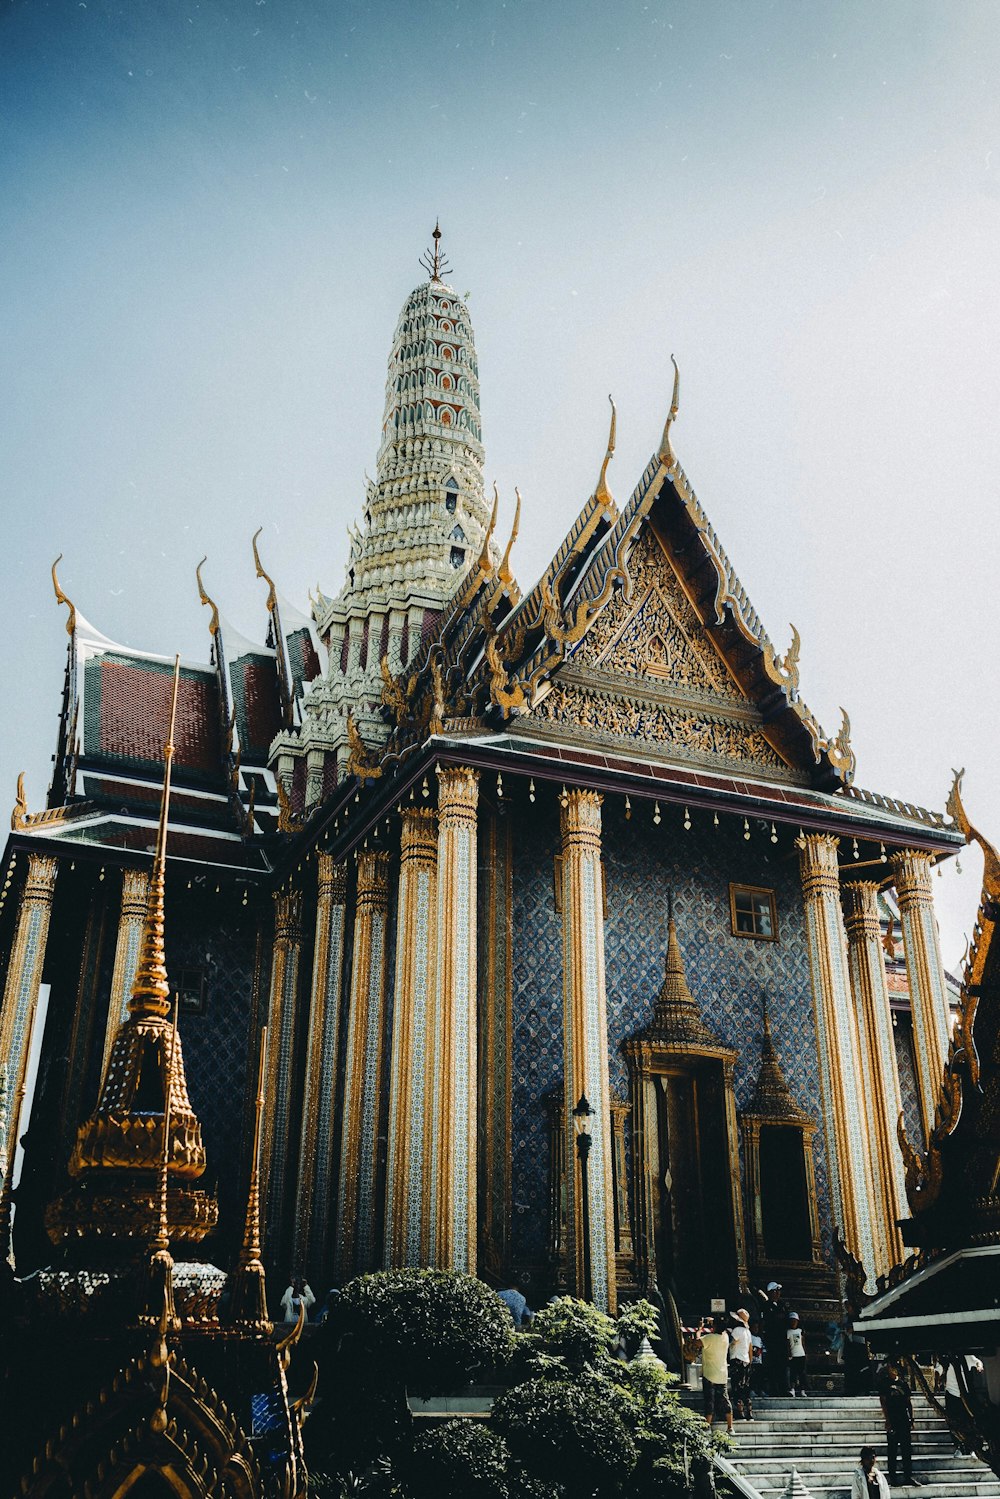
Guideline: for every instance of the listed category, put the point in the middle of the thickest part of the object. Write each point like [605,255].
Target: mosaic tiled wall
[903,1036]
[729,976]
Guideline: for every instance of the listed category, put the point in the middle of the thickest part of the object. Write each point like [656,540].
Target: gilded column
[842,1084]
[282,1009]
[312,1207]
[407,1210]
[878,1053]
[454,1176]
[132,914]
[363,1070]
[496,952]
[24,975]
[585,1044]
[925,975]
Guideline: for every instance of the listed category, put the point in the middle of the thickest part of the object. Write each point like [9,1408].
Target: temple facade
[563,913]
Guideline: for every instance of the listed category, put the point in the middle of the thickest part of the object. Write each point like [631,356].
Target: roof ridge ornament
[485,565]
[433,261]
[504,574]
[272,596]
[666,454]
[602,493]
[62,599]
[19,816]
[213,624]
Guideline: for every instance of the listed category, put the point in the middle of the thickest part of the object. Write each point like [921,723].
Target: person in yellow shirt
[715,1371]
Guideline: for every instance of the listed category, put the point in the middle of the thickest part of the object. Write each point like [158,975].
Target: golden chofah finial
[505,575]
[213,624]
[20,812]
[602,493]
[272,597]
[62,599]
[666,453]
[150,990]
[485,565]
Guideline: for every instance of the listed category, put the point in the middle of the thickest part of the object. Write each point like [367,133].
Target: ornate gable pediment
[648,672]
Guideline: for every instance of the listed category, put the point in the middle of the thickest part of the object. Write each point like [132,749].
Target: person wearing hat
[796,1356]
[774,1317]
[869,1481]
[740,1360]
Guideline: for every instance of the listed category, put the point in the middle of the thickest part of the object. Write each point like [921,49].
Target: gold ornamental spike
[505,575]
[249,1300]
[602,493]
[62,599]
[213,624]
[150,990]
[666,453]
[272,597]
[485,565]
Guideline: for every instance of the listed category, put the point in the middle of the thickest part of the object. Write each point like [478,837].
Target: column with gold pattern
[454,1184]
[312,1208]
[135,892]
[878,1055]
[842,1086]
[925,975]
[359,1161]
[24,975]
[585,1046]
[282,1010]
[407,1209]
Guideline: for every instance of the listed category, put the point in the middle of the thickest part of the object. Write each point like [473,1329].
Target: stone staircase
[822,1435]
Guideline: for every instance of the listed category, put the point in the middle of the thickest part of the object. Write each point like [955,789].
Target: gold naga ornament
[143,1115]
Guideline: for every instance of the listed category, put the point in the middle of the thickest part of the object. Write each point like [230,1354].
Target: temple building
[483,859]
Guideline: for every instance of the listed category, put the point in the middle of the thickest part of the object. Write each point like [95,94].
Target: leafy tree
[458,1460]
[573,1432]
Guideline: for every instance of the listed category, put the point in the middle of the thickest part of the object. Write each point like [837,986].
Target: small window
[192,991]
[457,557]
[458,534]
[753,912]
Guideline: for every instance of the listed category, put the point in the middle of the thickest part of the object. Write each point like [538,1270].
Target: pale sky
[210,215]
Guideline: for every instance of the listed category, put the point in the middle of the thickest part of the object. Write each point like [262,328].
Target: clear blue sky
[211,213]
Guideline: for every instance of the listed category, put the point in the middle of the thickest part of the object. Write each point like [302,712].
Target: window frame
[764,890]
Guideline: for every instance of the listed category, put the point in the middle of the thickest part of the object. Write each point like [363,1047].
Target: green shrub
[572,1331]
[638,1320]
[429,1330]
[457,1460]
[574,1433]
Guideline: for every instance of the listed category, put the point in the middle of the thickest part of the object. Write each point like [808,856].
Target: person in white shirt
[740,1359]
[869,1482]
[298,1293]
[796,1355]
[715,1371]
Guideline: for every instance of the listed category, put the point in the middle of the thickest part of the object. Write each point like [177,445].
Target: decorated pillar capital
[818,864]
[287,916]
[860,900]
[911,869]
[580,819]
[418,836]
[373,880]
[331,879]
[458,795]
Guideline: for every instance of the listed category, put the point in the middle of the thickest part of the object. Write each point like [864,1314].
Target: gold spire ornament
[213,624]
[504,573]
[485,565]
[249,1297]
[272,596]
[433,261]
[137,1158]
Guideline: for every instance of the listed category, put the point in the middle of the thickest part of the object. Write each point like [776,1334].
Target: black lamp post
[582,1115]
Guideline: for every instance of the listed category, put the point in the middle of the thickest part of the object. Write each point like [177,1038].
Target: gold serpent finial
[272,597]
[505,575]
[20,812]
[602,493]
[666,453]
[213,624]
[485,565]
[150,989]
[62,599]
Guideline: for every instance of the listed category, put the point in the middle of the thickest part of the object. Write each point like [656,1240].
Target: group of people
[739,1353]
